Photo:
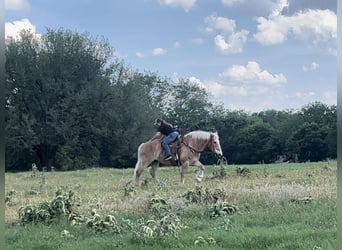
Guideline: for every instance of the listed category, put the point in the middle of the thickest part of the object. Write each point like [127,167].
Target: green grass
[272,213]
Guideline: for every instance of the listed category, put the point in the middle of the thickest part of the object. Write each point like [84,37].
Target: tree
[47,79]
[325,117]
[130,120]
[256,143]
[187,104]
[309,142]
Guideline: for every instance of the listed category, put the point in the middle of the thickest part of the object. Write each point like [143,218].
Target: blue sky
[248,54]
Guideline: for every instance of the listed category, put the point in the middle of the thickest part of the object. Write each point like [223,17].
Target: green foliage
[204,196]
[309,140]
[9,197]
[220,172]
[67,106]
[256,142]
[222,208]
[210,241]
[306,199]
[242,171]
[188,105]
[108,224]
[149,231]
[63,205]
[158,206]
[161,223]
[129,189]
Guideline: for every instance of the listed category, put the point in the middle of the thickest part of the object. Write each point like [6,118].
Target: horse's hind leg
[139,169]
[154,168]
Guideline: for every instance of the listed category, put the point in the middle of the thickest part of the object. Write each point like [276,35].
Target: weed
[158,206]
[46,212]
[108,224]
[204,196]
[225,224]
[306,199]
[243,172]
[210,241]
[129,189]
[221,172]
[222,209]
[9,197]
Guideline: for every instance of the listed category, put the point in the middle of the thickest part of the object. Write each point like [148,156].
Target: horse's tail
[137,169]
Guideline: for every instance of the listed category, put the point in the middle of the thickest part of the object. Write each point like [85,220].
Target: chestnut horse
[191,145]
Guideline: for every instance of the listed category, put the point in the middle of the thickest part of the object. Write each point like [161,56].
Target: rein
[191,148]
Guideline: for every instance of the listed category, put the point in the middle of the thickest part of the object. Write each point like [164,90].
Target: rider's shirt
[165,129]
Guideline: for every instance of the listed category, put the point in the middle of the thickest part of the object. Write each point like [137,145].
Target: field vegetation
[264,206]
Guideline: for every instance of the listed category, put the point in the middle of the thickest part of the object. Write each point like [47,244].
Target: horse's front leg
[200,174]
[184,170]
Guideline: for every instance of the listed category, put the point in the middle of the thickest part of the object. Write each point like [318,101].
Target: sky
[250,55]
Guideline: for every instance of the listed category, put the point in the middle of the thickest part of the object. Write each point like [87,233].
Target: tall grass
[281,206]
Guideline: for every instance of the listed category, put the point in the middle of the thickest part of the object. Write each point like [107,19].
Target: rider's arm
[156,136]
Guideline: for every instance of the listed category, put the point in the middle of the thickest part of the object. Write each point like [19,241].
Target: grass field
[276,206]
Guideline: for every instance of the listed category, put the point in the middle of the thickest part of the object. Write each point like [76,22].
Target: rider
[165,128]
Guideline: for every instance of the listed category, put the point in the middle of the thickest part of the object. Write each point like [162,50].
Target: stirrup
[168,158]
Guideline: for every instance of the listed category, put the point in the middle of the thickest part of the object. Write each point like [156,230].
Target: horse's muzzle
[219,155]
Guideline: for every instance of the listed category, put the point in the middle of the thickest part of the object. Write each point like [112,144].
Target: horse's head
[214,144]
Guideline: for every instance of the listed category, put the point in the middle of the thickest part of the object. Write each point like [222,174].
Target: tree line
[69,103]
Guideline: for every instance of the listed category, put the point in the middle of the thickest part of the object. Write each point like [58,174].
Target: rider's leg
[167,141]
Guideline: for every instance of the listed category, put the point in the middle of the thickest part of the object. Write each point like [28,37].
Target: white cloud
[230,2]
[253,73]
[218,23]
[257,97]
[212,87]
[234,90]
[158,51]
[13,29]
[283,4]
[17,5]
[227,40]
[185,4]
[312,24]
[313,66]
[234,43]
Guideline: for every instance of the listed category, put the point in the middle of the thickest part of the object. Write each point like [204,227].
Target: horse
[189,150]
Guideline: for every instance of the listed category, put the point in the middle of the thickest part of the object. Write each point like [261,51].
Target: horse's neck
[198,144]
